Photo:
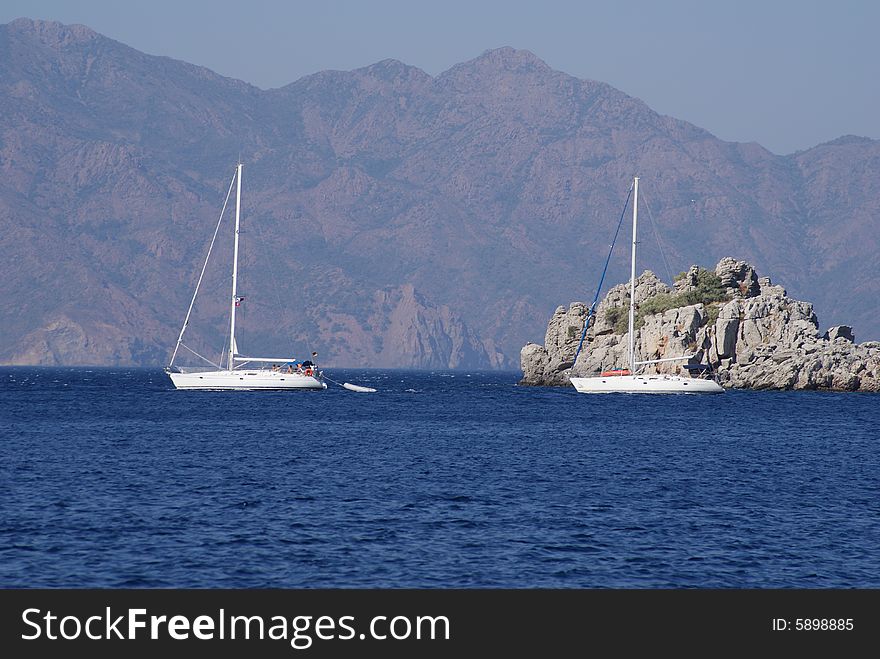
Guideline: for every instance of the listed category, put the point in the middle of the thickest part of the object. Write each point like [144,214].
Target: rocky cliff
[751,333]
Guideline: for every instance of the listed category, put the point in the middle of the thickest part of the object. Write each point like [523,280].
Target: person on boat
[308,367]
[276,367]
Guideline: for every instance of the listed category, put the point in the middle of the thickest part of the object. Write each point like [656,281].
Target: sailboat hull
[640,384]
[245,380]
[645,384]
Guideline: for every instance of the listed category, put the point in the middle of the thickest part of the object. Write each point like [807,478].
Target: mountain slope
[390,218]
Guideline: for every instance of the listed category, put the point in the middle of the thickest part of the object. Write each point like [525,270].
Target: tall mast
[632,280]
[235,268]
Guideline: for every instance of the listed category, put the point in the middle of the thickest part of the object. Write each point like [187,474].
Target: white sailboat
[630,381]
[240,372]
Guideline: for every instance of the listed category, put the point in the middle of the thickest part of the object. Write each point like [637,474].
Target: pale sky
[786,74]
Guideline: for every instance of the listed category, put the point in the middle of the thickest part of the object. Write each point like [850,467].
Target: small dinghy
[357,387]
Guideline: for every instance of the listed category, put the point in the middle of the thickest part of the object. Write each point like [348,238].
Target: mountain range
[390,218]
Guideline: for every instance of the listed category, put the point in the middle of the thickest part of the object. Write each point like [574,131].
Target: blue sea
[111,478]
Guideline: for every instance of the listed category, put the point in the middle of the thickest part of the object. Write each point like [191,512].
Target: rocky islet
[754,336]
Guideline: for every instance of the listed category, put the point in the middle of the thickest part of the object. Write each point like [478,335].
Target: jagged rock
[738,277]
[727,329]
[782,355]
[761,338]
[687,281]
[616,300]
[671,334]
[840,332]
[403,328]
[533,359]
[766,287]
[845,381]
[419,334]
[564,330]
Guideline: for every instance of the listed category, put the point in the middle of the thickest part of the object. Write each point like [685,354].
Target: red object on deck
[616,371]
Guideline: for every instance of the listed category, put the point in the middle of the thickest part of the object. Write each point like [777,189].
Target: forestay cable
[592,308]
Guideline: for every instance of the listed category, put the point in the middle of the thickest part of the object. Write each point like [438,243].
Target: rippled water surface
[111,478]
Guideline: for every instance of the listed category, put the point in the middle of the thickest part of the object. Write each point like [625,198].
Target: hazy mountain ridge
[479,200]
